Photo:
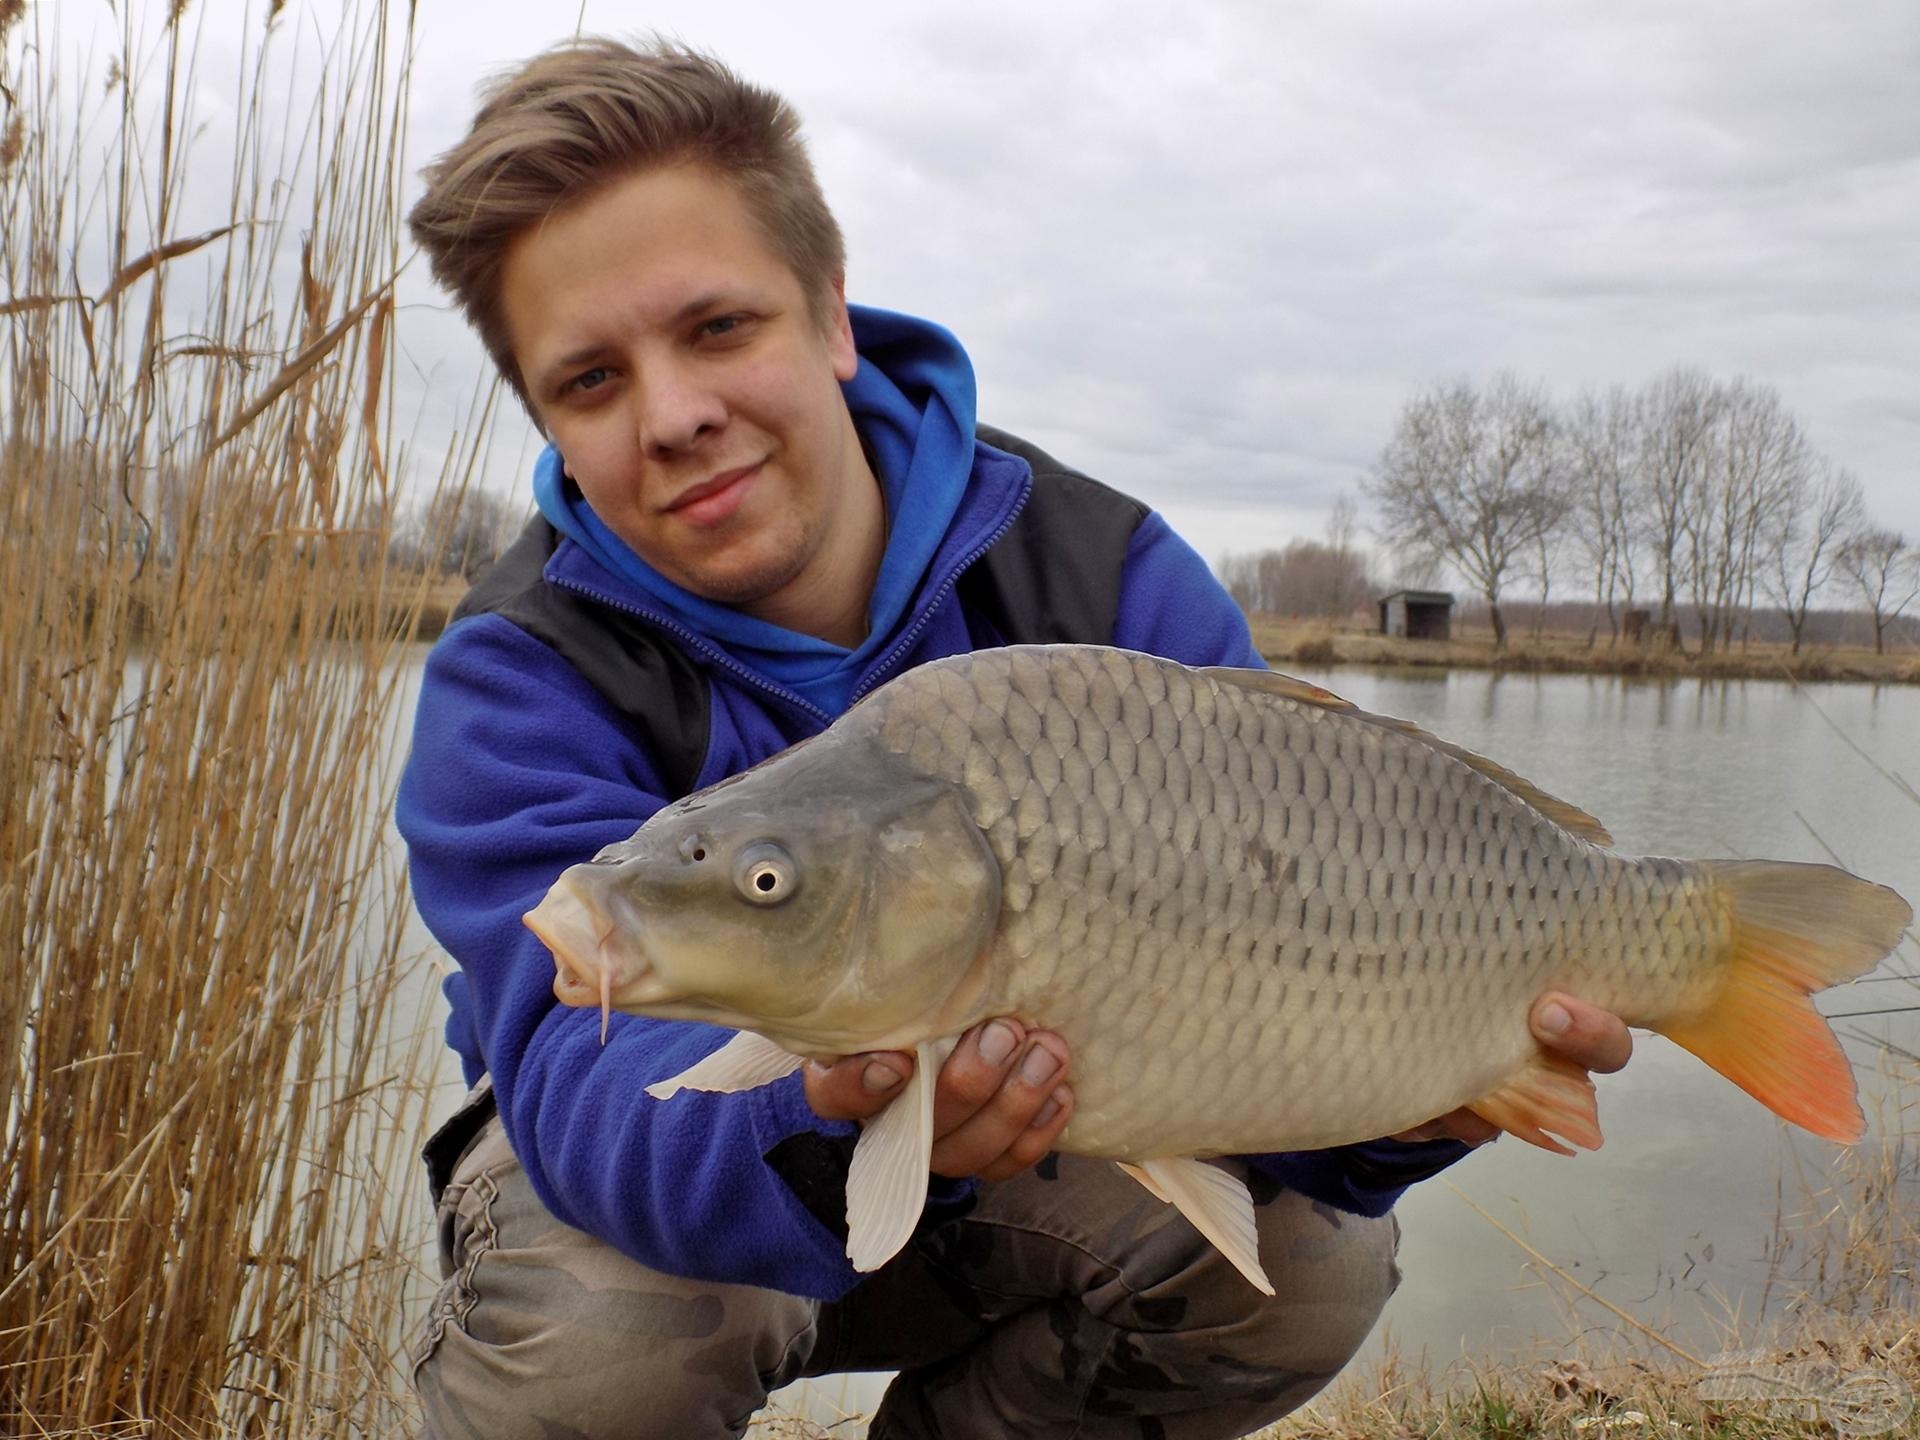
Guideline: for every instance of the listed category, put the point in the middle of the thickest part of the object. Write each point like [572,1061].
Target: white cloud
[1207,251]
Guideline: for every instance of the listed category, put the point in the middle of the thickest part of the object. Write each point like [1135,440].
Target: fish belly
[1269,925]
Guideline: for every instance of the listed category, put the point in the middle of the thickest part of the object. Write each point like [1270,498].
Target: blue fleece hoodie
[521,768]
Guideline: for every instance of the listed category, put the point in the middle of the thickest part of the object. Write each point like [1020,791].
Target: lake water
[1674,1219]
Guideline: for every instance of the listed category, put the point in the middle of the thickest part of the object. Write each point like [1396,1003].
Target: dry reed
[204,1091]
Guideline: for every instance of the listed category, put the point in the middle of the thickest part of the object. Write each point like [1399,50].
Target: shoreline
[1282,642]
[1316,643]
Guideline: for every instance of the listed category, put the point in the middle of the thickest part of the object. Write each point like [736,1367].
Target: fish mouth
[592,957]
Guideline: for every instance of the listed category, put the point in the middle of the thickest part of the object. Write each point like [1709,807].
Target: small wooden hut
[1417,614]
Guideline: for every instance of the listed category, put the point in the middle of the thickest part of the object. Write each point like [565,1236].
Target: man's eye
[589,379]
[721,325]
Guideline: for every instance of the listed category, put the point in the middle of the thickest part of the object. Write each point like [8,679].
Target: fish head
[824,902]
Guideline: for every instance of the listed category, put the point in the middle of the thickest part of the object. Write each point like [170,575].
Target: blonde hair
[592,111]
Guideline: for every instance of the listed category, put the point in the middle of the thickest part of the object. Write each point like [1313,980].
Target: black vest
[1052,578]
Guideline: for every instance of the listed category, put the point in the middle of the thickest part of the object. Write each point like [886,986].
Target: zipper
[877,674]
[699,644]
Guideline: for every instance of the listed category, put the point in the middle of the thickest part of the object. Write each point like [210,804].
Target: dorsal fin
[1285,686]
[1570,818]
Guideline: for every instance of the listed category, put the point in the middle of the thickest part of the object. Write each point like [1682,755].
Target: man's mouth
[712,501]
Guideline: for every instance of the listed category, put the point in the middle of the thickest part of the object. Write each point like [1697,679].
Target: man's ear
[846,360]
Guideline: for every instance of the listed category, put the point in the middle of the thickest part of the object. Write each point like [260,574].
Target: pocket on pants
[464,1163]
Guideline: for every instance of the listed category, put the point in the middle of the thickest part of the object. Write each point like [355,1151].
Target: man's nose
[675,408]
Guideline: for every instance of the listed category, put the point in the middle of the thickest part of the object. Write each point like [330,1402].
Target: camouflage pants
[1069,1302]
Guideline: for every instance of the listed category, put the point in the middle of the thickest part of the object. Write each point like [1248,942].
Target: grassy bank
[1316,643]
[1819,1379]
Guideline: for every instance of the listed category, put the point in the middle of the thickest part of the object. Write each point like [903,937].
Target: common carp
[1262,918]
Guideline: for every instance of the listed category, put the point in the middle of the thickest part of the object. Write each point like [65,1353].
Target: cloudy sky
[1206,251]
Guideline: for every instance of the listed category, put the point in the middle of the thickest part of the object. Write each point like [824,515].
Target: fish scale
[1261,918]
[1155,738]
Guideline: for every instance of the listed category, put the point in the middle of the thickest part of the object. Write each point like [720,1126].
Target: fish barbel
[1262,918]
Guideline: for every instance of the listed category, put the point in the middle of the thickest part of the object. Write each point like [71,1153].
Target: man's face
[672,356]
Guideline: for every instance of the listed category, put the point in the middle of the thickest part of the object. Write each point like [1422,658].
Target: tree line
[1690,493]
[1309,577]
[456,532]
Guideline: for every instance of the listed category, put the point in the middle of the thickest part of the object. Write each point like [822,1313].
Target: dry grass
[1317,643]
[203,1099]
[1833,1349]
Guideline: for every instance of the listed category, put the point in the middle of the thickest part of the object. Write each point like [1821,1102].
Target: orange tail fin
[1796,929]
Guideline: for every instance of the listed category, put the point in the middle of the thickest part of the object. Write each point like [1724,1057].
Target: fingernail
[997,1042]
[1040,1066]
[1047,1112]
[879,1077]
[1554,1018]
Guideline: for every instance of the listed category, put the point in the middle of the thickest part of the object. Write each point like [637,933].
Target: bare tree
[1606,451]
[1472,479]
[461,532]
[1349,582]
[1886,567]
[1754,455]
[1677,415]
[1306,578]
[1547,549]
[1239,576]
[1824,510]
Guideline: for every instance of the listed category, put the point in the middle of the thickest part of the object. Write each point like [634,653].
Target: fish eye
[765,874]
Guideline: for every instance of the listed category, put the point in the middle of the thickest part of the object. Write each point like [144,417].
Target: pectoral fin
[745,1062]
[1216,1203]
[887,1182]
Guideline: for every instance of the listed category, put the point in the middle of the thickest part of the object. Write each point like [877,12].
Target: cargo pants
[1068,1302]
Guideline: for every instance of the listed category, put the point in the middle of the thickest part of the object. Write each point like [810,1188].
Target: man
[758,503]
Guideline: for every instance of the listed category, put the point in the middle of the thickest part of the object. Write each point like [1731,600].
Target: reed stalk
[205,1091]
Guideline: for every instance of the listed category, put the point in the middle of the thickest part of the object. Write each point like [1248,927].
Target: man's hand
[1590,1037]
[998,1105]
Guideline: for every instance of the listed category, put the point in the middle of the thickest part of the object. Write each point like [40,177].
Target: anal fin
[887,1181]
[1550,1097]
[1215,1202]
[745,1062]
[1152,1186]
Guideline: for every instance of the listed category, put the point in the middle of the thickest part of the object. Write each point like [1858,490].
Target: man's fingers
[992,1134]
[999,1102]
[858,1087]
[1585,1034]
[1037,1139]
[974,1073]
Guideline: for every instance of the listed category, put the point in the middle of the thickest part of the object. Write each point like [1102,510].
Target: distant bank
[1314,642]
